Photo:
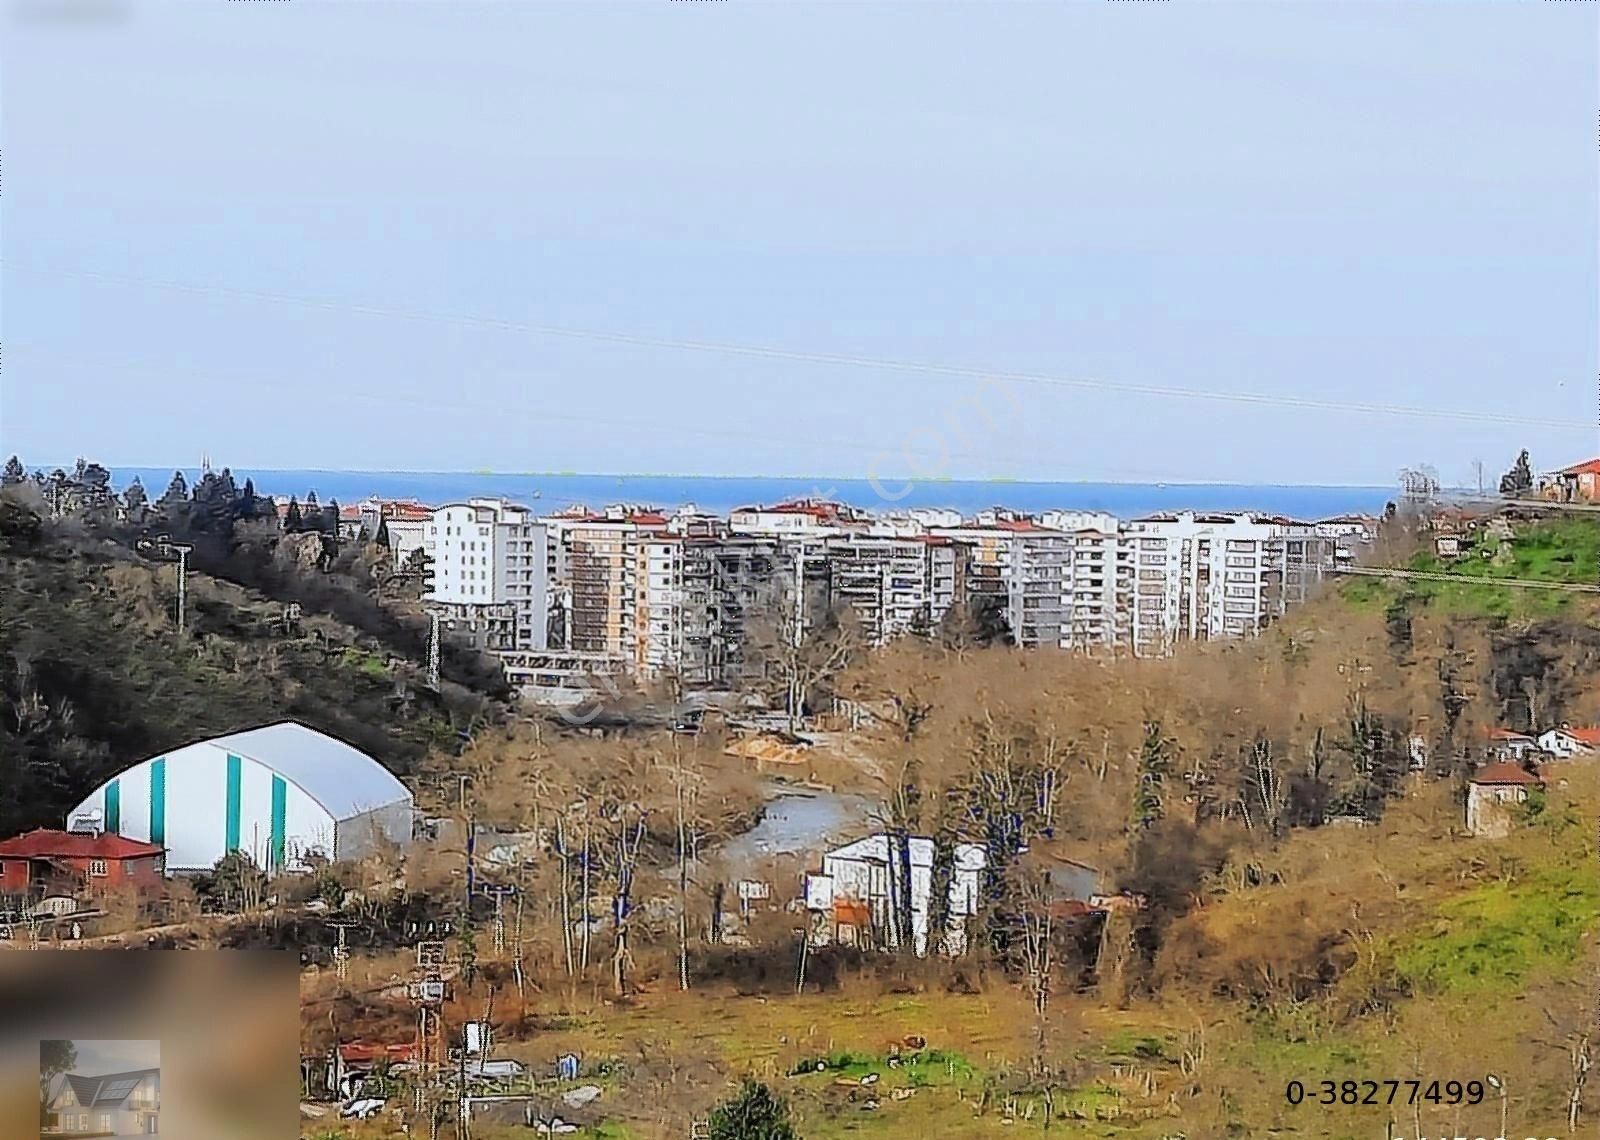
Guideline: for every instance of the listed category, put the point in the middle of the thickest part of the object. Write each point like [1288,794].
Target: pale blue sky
[96,1058]
[1355,203]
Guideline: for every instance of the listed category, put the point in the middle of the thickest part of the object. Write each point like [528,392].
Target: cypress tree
[1155,762]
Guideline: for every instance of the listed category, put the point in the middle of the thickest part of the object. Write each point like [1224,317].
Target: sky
[96,1058]
[795,239]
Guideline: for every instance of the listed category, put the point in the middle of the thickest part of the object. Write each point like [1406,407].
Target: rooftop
[1587,467]
[343,779]
[1504,773]
[42,843]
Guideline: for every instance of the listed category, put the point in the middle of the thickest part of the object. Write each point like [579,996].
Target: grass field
[1564,550]
[1488,954]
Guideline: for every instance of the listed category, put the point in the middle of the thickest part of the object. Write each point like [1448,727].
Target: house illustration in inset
[116,1104]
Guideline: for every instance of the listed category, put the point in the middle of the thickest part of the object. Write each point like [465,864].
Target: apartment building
[1026,567]
[892,585]
[732,585]
[1220,575]
[1098,590]
[487,574]
[604,570]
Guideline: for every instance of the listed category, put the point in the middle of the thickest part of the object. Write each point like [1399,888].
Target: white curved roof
[344,780]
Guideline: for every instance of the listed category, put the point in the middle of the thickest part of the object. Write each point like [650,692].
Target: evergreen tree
[330,518]
[1517,482]
[247,500]
[215,498]
[1155,764]
[311,513]
[292,521]
[980,621]
[1397,621]
[94,487]
[382,537]
[755,1113]
[135,501]
[13,473]
[177,494]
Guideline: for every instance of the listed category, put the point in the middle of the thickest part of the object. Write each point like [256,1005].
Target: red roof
[1506,734]
[1587,467]
[1504,774]
[1588,736]
[819,510]
[363,1052]
[350,514]
[44,844]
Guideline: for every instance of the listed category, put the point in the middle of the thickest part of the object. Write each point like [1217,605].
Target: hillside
[1558,551]
[94,675]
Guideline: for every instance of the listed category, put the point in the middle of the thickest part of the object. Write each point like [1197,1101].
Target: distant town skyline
[1299,244]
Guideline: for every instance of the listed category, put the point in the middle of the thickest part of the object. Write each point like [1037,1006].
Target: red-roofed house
[1567,742]
[1493,788]
[39,859]
[1579,483]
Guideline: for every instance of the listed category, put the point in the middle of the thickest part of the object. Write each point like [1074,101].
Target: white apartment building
[1219,575]
[1098,590]
[488,572]
[1026,565]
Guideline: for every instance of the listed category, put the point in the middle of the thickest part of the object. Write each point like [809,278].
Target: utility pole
[433,649]
[183,581]
[798,638]
[341,952]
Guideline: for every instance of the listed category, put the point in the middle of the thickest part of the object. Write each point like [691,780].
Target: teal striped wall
[158,801]
[280,812]
[235,779]
[113,807]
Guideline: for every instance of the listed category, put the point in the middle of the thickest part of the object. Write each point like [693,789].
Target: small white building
[280,794]
[1493,789]
[858,892]
[1504,744]
[1567,742]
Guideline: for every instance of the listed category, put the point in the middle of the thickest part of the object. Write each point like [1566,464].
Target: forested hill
[94,674]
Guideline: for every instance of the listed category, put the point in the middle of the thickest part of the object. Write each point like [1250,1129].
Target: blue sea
[554,492]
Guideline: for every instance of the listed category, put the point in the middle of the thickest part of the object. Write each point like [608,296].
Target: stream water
[798,821]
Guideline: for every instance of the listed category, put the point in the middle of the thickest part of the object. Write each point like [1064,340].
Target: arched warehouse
[278,793]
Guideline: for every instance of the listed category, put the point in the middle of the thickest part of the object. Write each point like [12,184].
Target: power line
[838,359]
[1468,579]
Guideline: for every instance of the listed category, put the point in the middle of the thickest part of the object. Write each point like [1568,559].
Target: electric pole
[433,650]
[798,638]
[183,582]
[341,952]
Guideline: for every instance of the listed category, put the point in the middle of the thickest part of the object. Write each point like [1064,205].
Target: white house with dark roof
[280,794]
[115,1104]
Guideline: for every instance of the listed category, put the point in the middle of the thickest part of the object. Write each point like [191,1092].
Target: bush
[756,1113]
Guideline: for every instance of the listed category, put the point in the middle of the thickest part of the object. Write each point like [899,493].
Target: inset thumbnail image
[99,1088]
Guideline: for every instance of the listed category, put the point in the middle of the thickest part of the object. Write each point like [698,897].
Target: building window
[97,868]
[105,1122]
